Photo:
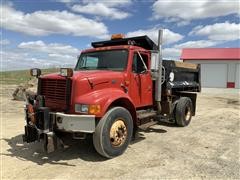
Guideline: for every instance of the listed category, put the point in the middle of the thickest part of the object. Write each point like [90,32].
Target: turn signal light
[94,109]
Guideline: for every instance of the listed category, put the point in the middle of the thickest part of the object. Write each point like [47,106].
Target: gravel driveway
[207,148]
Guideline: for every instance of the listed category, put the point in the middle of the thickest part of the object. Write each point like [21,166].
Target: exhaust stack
[158,84]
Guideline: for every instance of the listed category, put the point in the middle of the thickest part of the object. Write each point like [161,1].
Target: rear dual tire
[183,111]
[113,132]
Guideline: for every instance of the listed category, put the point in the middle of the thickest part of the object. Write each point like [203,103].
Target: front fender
[103,97]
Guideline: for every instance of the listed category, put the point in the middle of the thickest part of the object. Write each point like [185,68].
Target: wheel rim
[188,113]
[118,133]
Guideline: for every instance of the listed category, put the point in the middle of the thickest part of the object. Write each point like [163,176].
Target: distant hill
[20,76]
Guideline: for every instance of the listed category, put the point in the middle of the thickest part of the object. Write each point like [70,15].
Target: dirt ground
[207,148]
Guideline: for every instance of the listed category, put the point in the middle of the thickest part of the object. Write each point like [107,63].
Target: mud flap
[31,134]
[51,142]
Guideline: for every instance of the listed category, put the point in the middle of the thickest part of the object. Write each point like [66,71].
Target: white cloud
[175,51]
[110,3]
[15,60]
[27,63]
[39,54]
[195,9]
[41,23]
[52,48]
[219,31]
[168,35]
[197,44]
[171,53]
[4,42]
[66,56]
[107,9]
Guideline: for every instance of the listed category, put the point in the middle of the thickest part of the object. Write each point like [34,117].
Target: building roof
[210,54]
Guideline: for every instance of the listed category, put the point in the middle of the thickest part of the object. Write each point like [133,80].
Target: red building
[220,67]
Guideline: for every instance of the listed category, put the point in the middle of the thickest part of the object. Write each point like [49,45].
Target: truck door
[141,82]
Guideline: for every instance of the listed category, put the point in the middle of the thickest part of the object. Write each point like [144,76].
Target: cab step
[143,114]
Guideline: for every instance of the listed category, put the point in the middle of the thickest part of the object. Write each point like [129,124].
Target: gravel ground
[208,148]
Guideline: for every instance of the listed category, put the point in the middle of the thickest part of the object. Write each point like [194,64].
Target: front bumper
[47,123]
[75,123]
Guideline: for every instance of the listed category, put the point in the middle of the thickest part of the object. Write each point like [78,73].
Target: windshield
[115,60]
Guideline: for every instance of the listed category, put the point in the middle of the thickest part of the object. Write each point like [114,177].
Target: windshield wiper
[85,67]
[102,67]
[94,68]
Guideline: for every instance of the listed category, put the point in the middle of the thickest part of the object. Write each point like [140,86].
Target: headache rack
[141,41]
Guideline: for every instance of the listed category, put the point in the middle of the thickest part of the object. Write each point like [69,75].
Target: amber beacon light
[117,36]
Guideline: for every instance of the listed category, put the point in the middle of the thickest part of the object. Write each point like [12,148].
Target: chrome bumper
[75,123]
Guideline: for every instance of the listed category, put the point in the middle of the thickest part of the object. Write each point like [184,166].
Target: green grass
[20,76]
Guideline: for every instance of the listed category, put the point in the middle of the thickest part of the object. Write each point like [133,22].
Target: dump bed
[181,76]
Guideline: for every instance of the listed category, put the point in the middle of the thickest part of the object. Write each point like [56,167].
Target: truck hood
[98,77]
[94,77]
[97,73]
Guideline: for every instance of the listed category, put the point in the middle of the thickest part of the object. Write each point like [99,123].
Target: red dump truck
[116,86]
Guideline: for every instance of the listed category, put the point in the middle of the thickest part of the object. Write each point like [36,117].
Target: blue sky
[52,33]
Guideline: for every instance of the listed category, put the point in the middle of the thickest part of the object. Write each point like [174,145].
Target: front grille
[56,93]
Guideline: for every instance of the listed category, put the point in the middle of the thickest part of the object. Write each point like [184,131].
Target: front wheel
[113,132]
[183,111]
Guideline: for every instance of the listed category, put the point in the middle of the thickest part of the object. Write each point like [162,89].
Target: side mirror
[35,72]
[66,72]
[154,60]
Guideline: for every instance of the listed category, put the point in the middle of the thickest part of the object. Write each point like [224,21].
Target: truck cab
[115,87]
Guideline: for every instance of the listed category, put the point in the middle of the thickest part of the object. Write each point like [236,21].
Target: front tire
[113,132]
[183,112]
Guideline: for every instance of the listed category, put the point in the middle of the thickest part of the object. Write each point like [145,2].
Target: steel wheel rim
[188,114]
[118,133]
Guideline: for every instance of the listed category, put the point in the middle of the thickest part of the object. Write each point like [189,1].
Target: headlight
[90,109]
[66,72]
[81,108]
[84,108]
[35,72]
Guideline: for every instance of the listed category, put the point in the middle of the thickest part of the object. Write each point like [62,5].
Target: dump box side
[181,76]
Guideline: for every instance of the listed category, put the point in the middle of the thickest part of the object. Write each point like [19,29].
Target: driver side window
[138,66]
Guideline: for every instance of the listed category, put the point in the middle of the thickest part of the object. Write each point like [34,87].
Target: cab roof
[116,47]
[141,41]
